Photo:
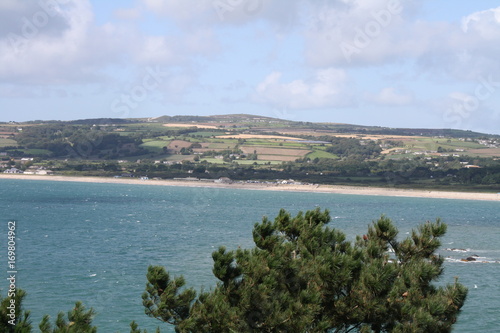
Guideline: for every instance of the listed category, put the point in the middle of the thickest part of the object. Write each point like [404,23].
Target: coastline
[338,189]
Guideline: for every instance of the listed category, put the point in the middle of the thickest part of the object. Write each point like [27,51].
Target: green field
[219,145]
[37,152]
[7,143]
[155,146]
[432,144]
[179,158]
[321,154]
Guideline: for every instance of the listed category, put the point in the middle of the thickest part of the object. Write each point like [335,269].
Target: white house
[13,170]
[224,180]
[44,172]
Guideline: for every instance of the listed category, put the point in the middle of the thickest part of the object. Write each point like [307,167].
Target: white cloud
[390,97]
[282,14]
[79,51]
[484,23]
[361,33]
[465,51]
[75,53]
[327,88]
[352,32]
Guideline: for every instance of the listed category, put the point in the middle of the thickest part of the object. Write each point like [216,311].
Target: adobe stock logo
[371,30]
[30,27]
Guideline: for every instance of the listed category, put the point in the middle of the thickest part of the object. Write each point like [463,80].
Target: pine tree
[134,328]
[17,322]
[303,276]
[79,321]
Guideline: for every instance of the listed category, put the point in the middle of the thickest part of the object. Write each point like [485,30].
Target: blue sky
[390,63]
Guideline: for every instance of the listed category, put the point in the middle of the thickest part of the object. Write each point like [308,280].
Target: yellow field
[375,137]
[388,151]
[343,135]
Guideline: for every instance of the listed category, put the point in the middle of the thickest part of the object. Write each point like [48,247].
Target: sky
[394,63]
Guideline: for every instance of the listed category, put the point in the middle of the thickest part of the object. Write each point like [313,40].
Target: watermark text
[12,271]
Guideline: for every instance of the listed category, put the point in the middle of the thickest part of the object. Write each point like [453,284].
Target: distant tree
[253,156]
[185,151]
[305,277]
[195,145]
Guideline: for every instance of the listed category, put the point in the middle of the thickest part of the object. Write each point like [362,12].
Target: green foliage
[162,298]
[17,321]
[134,328]
[345,147]
[321,154]
[83,141]
[303,276]
[79,321]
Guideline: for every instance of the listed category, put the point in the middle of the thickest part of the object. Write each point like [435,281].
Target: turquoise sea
[94,242]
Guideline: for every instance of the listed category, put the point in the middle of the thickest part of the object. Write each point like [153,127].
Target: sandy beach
[271,187]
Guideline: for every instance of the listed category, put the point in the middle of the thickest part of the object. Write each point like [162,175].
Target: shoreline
[337,189]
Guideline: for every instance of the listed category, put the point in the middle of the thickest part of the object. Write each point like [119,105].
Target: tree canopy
[303,276]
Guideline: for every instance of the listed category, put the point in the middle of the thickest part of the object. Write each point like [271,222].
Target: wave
[457,250]
[478,260]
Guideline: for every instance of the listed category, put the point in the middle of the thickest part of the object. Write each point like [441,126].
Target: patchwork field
[274,148]
[274,140]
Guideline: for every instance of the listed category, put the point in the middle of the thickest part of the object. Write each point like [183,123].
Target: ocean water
[93,242]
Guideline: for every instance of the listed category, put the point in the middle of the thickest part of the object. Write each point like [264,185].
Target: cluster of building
[30,171]
[227,180]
